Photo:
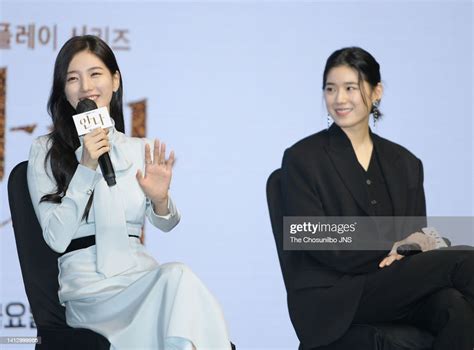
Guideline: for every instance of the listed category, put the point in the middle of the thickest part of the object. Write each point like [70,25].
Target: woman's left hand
[157,179]
[393,256]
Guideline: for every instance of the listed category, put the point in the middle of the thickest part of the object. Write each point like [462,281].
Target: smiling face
[344,97]
[88,77]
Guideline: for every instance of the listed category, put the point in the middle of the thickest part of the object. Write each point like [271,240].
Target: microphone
[105,163]
[409,249]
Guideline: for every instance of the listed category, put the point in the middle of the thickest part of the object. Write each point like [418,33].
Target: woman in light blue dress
[108,282]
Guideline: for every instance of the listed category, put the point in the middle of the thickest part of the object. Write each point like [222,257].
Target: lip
[90,97]
[342,112]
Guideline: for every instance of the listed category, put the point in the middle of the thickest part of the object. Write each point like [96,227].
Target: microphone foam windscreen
[85,105]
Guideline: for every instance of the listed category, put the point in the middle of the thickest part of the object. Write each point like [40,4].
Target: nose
[86,84]
[341,96]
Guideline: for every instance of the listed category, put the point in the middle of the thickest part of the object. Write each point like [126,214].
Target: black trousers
[433,290]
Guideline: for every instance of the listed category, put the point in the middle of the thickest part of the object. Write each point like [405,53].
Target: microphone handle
[107,169]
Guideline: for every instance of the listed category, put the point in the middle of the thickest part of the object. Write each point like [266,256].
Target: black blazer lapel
[396,179]
[345,161]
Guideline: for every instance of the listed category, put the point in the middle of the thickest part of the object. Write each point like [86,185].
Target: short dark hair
[367,67]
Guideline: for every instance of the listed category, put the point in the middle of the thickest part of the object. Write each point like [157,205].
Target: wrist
[160,200]
[395,246]
[89,165]
[160,206]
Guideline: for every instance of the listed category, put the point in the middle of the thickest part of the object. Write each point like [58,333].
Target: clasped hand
[424,241]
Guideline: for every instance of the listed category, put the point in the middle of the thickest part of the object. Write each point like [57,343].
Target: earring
[376,114]
[329,120]
[375,109]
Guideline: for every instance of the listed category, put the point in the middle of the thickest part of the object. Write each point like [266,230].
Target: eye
[96,74]
[351,88]
[329,89]
[71,79]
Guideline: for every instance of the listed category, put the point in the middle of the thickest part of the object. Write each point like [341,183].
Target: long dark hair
[368,69]
[63,138]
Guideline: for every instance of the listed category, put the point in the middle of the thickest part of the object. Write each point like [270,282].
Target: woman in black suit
[347,170]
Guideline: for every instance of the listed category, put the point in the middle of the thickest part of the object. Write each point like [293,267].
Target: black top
[380,202]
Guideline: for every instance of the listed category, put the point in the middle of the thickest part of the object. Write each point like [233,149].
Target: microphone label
[88,121]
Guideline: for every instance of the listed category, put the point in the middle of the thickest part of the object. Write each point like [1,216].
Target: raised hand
[156,181]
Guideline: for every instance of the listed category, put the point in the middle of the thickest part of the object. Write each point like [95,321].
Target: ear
[377,92]
[116,81]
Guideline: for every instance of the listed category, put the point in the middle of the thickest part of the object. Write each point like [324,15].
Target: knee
[454,308]
[469,256]
[461,256]
[465,258]
[465,251]
[175,269]
[469,253]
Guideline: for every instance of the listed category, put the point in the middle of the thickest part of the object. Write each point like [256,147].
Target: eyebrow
[346,83]
[92,68]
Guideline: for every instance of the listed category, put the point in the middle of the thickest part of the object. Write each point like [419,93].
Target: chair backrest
[38,262]
[275,208]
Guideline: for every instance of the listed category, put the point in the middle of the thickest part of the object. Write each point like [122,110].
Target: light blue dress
[137,305]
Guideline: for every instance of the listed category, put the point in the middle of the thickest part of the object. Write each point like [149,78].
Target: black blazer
[321,177]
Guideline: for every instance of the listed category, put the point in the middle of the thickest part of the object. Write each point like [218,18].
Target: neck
[359,136]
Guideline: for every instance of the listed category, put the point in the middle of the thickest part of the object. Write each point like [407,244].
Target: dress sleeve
[59,221]
[164,222]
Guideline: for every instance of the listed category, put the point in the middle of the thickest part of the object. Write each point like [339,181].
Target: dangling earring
[329,120]
[375,111]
